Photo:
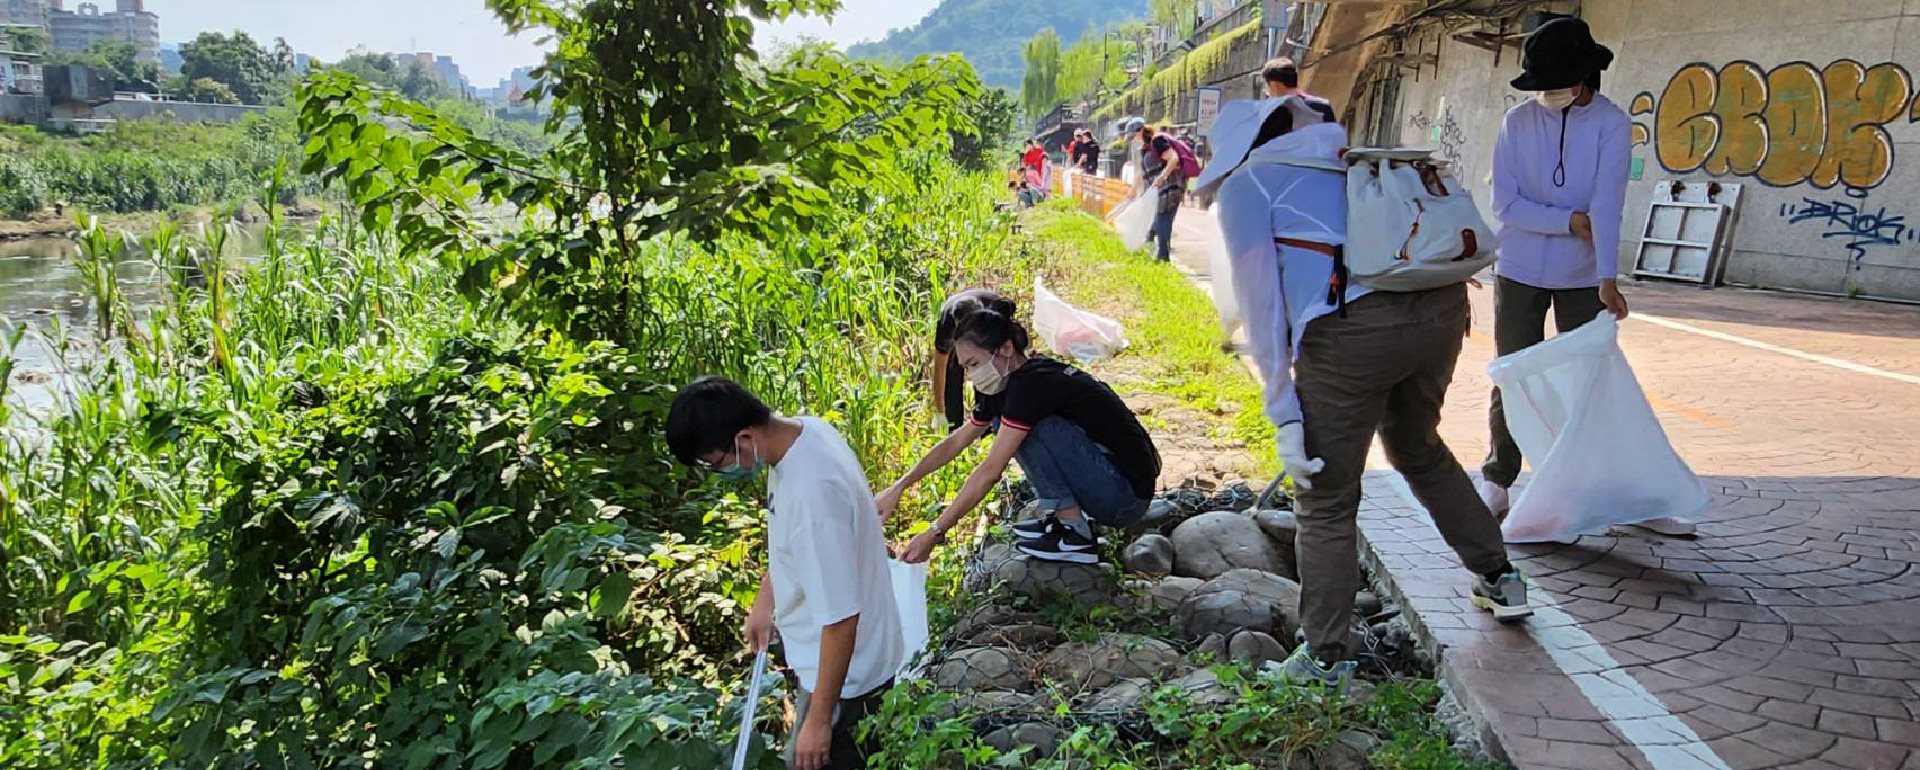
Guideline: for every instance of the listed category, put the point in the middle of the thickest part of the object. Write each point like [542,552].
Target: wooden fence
[1096,195]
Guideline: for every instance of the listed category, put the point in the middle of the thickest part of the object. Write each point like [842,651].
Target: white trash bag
[1070,331]
[910,594]
[1220,266]
[1134,222]
[1599,455]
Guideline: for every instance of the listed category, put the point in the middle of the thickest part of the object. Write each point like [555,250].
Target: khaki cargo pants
[1383,368]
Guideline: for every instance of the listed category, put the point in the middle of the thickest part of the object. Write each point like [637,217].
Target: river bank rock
[1210,544]
[1242,600]
[1098,664]
[1000,565]
[1255,647]
[1149,555]
[983,668]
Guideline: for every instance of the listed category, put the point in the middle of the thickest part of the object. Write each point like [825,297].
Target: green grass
[1170,323]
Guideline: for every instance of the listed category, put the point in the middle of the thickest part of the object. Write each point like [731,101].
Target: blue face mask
[737,473]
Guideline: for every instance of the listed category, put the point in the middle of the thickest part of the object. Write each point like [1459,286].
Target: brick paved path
[1788,634]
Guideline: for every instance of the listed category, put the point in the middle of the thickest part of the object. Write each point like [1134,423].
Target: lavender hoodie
[1536,246]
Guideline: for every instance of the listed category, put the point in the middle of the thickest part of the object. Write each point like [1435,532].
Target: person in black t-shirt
[1087,456]
[949,380]
[1160,168]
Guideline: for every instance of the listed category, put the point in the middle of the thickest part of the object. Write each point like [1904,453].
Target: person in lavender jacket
[1559,185]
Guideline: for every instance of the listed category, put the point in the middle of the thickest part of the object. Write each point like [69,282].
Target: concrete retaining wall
[187,112]
[22,108]
[1813,108]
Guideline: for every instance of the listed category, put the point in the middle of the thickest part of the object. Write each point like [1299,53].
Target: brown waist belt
[1336,283]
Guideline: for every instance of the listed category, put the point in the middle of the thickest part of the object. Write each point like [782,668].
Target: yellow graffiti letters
[1797,115]
[1794,124]
[1860,101]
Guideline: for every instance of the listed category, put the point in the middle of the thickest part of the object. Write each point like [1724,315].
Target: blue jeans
[1162,231]
[1069,470]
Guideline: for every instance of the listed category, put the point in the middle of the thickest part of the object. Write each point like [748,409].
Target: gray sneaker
[1506,598]
[1300,668]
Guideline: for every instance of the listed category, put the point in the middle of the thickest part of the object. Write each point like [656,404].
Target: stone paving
[1787,635]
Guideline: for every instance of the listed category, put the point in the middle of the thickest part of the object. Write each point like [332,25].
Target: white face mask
[987,379]
[1557,99]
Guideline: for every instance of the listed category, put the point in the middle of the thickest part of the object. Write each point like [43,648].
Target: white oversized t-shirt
[828,560]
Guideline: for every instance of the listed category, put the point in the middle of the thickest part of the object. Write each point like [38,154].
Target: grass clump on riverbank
[1170,324]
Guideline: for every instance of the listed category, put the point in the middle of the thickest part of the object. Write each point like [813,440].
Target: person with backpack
[1166,164]
[1341,360]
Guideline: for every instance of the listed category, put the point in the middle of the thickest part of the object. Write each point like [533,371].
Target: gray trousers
[1519,322]
[1385,367]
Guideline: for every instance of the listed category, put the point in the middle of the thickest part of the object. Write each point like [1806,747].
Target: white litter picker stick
[746,714]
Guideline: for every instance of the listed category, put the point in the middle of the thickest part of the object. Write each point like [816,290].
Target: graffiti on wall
[1849,220]
[1445,132]
[1790,125]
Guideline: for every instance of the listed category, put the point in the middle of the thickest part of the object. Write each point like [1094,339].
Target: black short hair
[962,305]
[707,414]
[1282,71]
[988,329]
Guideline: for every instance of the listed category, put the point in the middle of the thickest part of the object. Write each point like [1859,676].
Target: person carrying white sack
[1339,365]
[1559,185]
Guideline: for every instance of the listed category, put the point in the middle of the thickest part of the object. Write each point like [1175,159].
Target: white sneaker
[1496,498]
[1668,525]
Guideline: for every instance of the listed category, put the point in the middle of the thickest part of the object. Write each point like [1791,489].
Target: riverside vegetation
[391,496]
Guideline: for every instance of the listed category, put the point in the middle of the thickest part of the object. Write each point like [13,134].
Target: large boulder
[1123,696]
[982,668]
[1212,543]
[1171,591]
[1042,581]
[996,703]
[1097,664]
[1282,530]
[1242,600]
[986,619]
[1038,739]
[1019,635]
[1203,688]
[1255,647]
[1149,555]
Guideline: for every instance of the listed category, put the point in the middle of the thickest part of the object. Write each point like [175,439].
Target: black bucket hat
[1560,54]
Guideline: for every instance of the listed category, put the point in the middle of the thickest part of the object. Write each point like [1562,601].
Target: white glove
[1293,455]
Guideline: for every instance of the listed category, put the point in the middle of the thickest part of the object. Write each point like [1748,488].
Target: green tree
[990,117]
[414,80]
[237,61]
[120,58]
[1040,89]
[210,91]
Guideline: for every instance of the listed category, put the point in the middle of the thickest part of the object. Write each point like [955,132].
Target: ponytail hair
[988,329]
[963,305]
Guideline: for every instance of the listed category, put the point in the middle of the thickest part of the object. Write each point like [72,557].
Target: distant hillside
[991,33]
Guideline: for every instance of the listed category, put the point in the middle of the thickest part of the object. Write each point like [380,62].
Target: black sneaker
[1061,543]
[1032,528]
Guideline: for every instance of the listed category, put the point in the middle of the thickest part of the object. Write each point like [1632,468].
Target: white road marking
[1638,716]
[1837,363]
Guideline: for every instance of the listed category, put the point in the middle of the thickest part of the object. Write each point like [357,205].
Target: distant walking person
[1160,168]
[1559,186]
[1282,77]
[1086,155]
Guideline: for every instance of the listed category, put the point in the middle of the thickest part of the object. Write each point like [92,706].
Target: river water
[39,287]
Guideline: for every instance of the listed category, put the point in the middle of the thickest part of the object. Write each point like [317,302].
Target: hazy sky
[463,29]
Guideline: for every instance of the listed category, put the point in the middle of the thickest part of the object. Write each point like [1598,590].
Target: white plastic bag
[1135,222]
[1220,268]
[1599,455]
[1070,331]
[910,594]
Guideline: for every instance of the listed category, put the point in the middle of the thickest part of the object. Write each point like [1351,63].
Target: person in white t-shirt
[827,588]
